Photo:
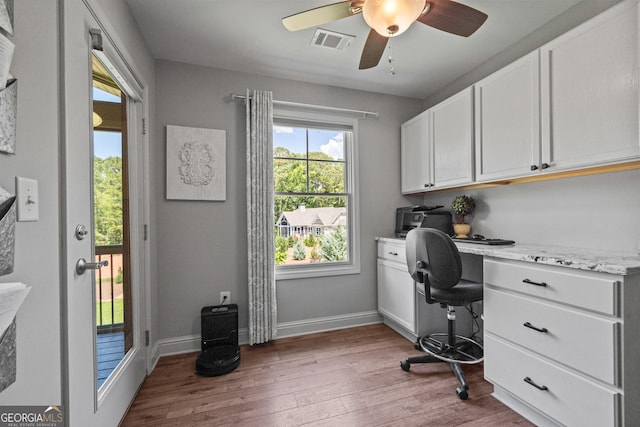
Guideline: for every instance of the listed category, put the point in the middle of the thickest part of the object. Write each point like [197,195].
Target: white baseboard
[323,324]
[191,343]
[154,356]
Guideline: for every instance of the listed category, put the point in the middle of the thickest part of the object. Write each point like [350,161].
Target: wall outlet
[225,297]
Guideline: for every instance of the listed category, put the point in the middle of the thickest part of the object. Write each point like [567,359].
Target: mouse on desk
[477,237]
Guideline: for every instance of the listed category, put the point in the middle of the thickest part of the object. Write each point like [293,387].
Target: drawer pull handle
[539,387]
[393,253]
[531,282]
[530,326]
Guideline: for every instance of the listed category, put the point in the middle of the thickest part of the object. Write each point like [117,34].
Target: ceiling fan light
[390,18]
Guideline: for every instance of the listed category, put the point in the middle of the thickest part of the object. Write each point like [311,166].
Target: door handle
[82,265]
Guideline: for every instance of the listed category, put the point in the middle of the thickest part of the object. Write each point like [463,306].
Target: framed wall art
[196,163]
[7,231]
[6,15]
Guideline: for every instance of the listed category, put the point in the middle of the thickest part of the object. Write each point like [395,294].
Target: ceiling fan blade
[452,17]
[319,15]
[373,50]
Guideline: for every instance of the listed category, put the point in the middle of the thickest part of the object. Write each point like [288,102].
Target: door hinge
[146,338]
[144,126]
[146,232]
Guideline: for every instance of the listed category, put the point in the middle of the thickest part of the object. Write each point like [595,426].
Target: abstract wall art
[196,163]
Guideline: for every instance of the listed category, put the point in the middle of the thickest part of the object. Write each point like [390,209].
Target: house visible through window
[313,172]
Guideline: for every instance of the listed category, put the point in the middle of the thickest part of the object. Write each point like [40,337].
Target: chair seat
[465,292]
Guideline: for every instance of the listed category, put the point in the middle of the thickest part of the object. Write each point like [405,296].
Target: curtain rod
[365,114]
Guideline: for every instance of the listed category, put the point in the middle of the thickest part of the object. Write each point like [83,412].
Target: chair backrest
[438,257]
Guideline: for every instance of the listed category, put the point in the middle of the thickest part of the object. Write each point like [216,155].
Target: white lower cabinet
[396,295]
[553,353]
[401,306]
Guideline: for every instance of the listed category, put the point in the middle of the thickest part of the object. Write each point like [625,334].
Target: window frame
[323,120]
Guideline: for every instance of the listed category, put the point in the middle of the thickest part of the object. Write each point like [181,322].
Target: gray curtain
[261,257]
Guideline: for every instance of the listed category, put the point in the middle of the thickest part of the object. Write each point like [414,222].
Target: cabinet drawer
[392,251]
[592,291]
[569,398]
[576,339]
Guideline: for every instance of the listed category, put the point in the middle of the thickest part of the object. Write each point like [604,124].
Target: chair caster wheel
[462,393]
[405,366]
[416,345]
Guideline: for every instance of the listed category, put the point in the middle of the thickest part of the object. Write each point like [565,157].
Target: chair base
[463,351]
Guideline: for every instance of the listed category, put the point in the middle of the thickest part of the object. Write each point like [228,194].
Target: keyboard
[483,241]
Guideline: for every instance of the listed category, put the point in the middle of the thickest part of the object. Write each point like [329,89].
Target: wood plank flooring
[350,377]
[110,349]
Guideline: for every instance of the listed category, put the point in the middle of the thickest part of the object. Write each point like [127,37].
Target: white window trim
[288,272]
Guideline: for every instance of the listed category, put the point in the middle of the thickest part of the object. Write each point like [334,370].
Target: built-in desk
[560,328]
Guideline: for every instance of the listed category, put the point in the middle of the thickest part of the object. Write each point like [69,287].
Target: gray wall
[596,211]
[202,245]
[37,253]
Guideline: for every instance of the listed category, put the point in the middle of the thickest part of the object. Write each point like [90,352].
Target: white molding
[191,343]
[153,357]
[324,324]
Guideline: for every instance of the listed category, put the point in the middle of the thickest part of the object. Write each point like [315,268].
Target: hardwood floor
[350,377]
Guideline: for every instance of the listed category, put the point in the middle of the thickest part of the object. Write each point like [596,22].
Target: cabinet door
[508,121]
[415,158]
[590,92]
[396,294]
[452,140]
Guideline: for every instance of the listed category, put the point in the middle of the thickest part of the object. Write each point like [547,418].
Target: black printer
[410,217]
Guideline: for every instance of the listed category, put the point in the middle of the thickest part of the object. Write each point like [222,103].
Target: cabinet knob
[393,253]
[545,165]
[534,167]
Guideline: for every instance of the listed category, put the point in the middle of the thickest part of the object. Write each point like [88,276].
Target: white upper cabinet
[415,156]
[507,111]
[436,147]
[589,80]
[452,140]
[572,104]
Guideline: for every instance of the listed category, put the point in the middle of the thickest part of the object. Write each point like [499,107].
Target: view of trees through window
[108,200]
[311,198]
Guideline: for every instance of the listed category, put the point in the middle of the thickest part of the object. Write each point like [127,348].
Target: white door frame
[126,73]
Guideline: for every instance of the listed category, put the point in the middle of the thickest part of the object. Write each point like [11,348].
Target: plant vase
[462,230]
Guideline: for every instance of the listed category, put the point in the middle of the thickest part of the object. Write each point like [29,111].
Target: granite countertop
[612,262]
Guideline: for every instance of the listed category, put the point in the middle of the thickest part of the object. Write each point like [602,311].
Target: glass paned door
[114,334]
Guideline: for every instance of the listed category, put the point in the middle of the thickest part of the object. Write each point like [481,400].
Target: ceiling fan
[390,18]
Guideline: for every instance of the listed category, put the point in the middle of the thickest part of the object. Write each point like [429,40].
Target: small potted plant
[462,206]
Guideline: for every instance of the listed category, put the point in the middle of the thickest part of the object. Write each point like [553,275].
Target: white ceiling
[248,36]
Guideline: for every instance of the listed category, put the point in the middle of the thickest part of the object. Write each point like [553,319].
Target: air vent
[331,39]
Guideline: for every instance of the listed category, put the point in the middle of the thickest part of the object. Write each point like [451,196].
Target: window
[315,195]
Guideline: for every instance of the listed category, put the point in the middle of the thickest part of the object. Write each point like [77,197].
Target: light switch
[27,199]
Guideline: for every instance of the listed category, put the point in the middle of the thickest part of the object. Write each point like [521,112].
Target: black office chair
[434,263]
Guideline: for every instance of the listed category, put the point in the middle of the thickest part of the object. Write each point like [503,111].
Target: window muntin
[313,201]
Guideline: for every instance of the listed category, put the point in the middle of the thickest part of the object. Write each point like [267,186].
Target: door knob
[82,265]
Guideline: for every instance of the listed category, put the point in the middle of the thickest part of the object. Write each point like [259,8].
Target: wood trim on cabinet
[544,177]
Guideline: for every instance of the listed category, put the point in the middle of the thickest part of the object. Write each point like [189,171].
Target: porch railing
[109,289]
